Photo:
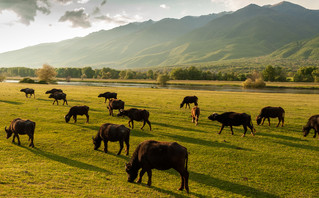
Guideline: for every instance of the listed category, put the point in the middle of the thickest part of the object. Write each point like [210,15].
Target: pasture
[277,162]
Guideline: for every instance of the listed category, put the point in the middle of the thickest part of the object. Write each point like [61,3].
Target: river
[188,87]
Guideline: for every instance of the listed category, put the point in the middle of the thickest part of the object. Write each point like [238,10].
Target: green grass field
[277,162]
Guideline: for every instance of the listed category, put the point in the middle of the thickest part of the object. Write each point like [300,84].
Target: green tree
[179,74]
[305,74]
[47,73]
[88,71]
[150,74]
[194,73]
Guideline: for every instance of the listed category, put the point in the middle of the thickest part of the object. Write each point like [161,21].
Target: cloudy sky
[30,22]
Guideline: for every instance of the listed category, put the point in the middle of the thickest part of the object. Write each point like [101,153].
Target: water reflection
[188,87]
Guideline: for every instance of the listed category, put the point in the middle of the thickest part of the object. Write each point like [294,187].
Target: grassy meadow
[277,162]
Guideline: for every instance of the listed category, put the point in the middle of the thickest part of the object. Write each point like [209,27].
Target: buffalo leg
[31,143]
[74,117]
[121,147]
[14,137]
[143,124]
[282,121]
[105,100]
[87,118]
[57,102]
[268,121]
[149,124]
[221,128]
[19,143]
[53,102]
[132,124]
[149,174]
[127,146]
[252,129]
[263,121]
[105,145]
[245,130]
[141,175]
[231,128]
[279,120]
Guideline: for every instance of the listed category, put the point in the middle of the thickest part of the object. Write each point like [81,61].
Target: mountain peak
[287,6]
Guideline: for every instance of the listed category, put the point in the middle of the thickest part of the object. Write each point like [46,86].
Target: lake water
[188,87]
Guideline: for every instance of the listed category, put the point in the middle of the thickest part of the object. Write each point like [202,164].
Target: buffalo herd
[151,154]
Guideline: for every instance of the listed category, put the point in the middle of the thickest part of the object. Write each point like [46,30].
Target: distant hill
[249,32]
[307,49]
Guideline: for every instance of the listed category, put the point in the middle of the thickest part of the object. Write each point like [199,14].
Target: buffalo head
[213,116]
[96,142]
[258,119]
[132,174]
[67,118]
[305,130]
[8,131]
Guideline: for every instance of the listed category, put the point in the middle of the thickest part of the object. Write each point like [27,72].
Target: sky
[30,22]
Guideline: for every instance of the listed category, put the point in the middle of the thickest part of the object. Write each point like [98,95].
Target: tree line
[269,73]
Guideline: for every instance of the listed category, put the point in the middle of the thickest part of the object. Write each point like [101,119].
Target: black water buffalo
[77,110]
[22,127]
[195,114]
[115,104]
[189,99]
[233,119]
[58,96]
[152,154]
[313,123]
[113,133]
[28,91]
[136,114]
[53,91]
[271,112]
[108,95]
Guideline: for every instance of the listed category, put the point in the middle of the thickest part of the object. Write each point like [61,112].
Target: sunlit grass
[277,162]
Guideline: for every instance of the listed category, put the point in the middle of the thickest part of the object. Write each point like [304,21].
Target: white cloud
[164,6]
[83,1]
[77,17]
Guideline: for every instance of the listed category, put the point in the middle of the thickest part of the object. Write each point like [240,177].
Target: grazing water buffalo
[136,114]
[28,91]
[113,133]
[108,95]
[77,110]
[189,99]
[53,91]
[152,154]
[58,96]
[313,123]
[22,127]
[115,104]
[233,119]
[195,114]
[271,112]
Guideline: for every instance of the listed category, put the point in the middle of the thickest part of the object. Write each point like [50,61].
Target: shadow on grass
[178,127]
[203,142]
[11,102]
[45,99]
[280,136]
[308,147]
[67,161]
[94,128]
[239,189]
[171,193]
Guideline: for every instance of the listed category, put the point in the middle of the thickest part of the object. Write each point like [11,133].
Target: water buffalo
[113,133]
[115,104]
[108,95]
[195,114]
[189,99]
[136,114]
[271,112]
[22,127]
[313,123]
[58,96]
[233,119]
[77,110]
[53,91]
[152,154]
[28,91]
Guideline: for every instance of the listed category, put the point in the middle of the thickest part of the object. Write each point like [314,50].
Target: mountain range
[283,30]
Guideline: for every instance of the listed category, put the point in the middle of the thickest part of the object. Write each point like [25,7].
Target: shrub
[26,80]
[258,83]
[47,73]
[2,77]
[162,79]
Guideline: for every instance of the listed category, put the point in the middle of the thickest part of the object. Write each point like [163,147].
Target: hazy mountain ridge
[249,32]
